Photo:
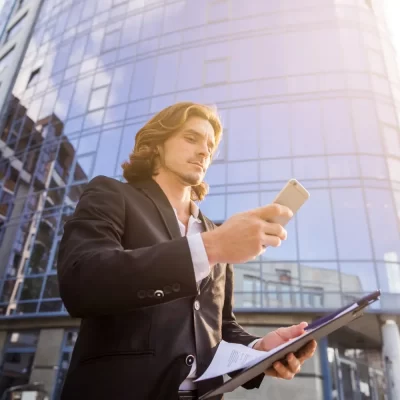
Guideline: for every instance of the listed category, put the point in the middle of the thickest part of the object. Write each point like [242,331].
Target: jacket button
[167,289]
[150,293]
[141,294]
[189,360]
[159,294]
[176,287]
[197,305]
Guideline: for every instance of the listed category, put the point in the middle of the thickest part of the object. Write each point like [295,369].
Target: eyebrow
[197,133]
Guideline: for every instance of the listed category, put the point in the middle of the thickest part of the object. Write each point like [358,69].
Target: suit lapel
[153,191]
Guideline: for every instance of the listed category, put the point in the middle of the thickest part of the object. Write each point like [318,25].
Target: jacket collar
[154,192]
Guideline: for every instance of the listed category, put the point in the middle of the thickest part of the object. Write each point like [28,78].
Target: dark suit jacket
[125,269]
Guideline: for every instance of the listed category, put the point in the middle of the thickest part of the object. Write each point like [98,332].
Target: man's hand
[244,236]
[280,336]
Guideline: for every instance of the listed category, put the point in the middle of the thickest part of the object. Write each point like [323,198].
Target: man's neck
[177,194]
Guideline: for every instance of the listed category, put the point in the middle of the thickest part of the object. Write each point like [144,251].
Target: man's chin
[193,180]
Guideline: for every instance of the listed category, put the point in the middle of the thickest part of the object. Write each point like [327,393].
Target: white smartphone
[293,195]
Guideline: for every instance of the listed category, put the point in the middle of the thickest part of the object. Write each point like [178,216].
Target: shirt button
[189,360]
[141,294]
[197,305]
[159,294]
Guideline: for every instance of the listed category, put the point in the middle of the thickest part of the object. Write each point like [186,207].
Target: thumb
[291,332]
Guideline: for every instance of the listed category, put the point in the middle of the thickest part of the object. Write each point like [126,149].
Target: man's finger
[291,332]
[271,211]
[282,371]
[294,363]
[308,351]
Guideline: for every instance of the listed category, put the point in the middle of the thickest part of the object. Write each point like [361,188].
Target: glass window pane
[78,50]
[353,52]
[22,339]
[83,167]
[50,306]
[107,153]
[352,233]
[88,144]
[142,85]
[366,126]
[127,143]
[337,126]
[216,174]
[244,172]
[51,287]
[306,128]
[394,169]
[315,228]
[310,168]
[274,131]
[98,98]
[111,40]
[321,278]
[190,73]
[275,170]
[242,139]
[373,167]
[121,83]
[384,224]
[213,207]
[358,277]
[31,288]
[389,276]
[81,97]
[392,140]
[343,167]
[280,285]
[242,202]
[63,100]
[166,74]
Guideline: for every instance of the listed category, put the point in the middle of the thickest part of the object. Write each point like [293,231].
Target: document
[231,357]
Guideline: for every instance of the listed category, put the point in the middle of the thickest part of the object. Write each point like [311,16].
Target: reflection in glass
[51,287]
[242,202]
[50,306]
[320,284]
[31,288]
[306,128]
[352,234]
[213,206]
[107,153]
[243,133]
[384,232]
[358,277]
[315,228]
[389,274]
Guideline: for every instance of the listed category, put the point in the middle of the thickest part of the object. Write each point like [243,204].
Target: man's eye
[190,139]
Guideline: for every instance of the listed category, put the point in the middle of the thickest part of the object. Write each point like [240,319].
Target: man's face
[187,153]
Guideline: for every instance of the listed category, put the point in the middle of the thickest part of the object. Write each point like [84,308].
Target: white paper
[231,357]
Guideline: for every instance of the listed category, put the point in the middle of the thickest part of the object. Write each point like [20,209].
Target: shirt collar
[194,211]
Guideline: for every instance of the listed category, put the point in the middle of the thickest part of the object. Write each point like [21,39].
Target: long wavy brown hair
[142,162]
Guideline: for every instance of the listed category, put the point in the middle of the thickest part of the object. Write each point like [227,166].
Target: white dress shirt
[201,269]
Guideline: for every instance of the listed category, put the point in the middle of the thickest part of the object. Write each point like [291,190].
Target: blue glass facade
[305,94]
[307,89]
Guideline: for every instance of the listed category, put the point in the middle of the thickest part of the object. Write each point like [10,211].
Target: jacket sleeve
[232,332]
[97,276]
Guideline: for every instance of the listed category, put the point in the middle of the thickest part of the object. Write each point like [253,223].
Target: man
[151,276]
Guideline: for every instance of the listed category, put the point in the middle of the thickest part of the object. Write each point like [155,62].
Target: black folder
[317,330]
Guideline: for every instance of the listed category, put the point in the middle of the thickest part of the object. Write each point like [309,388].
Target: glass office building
[307,89]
